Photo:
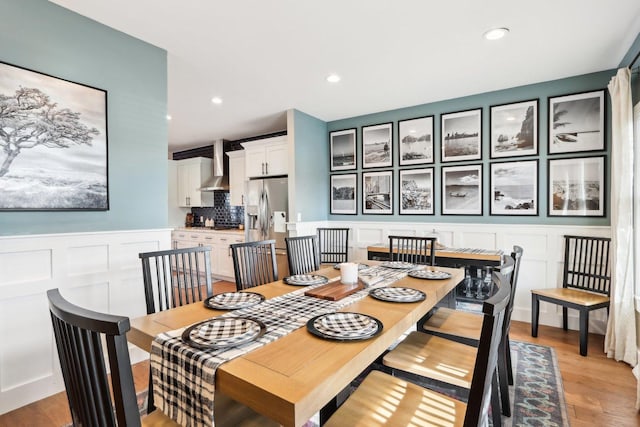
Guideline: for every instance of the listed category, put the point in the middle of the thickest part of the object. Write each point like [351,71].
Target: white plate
[430,274]
[233,300]
[305,280]
[397,294]
[223,332]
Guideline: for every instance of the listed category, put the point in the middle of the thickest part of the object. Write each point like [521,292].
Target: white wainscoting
[541,265]
[98,270]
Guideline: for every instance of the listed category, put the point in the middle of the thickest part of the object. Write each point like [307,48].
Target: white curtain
[620,341]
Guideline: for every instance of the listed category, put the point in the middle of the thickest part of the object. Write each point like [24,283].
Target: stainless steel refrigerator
[267,210]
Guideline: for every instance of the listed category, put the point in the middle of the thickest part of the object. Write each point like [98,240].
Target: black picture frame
[343,194]
[377,193]
[461,190]
[416,189]
[577,123]
[415,141]
[514,188]
[514,129]
[342,149]
[377,145]
[57,144]
[576,186]
[461,136]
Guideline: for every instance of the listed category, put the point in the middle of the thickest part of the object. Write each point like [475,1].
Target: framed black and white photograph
[377,192]
[344,194]
[461,135]
[53,143]
[514,129]
[343,149]
[416,191]
[377,146]
[462,190]
[514,188]
[415,139]
[576,186]
[576,123]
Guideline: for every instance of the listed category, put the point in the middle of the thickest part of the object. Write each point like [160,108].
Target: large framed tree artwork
[53,143]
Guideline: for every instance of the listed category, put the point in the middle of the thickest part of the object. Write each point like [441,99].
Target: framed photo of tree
[514,188]
[415,138]
[377,146]
[343,194]
[377,192]
[576,186]
[462,190]
[576,123]
[416,191]
[461,135]
[343,149]
[514,129]
[53,141]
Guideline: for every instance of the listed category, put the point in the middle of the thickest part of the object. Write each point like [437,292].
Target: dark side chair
[254,263]
[79,334]
[384,399]
[302,254]
[416,250]
[333,245]
[586,279]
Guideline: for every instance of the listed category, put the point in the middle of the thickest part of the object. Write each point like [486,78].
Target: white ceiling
[264,57]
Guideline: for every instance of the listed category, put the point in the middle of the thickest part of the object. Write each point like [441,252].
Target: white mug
[349,273]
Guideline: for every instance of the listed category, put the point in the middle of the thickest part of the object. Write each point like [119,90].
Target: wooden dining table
[291,379]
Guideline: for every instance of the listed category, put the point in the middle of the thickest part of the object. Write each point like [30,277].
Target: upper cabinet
[266,157]
[236,177]
[192,173]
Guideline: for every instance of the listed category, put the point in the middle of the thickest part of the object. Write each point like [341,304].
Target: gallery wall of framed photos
[530,154]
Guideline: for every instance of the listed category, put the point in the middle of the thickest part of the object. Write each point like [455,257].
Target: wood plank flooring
[598,391]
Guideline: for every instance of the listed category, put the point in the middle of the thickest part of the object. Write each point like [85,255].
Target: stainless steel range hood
[220,178]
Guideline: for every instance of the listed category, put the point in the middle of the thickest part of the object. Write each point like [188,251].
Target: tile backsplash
[222,212]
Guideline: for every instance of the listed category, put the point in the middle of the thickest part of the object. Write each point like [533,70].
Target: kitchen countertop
[210,230]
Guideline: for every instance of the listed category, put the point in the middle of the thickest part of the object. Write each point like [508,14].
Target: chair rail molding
[97,270]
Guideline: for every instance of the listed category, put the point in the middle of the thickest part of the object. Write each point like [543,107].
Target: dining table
[296,376]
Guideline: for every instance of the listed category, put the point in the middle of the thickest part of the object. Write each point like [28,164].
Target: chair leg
[509,365]
[535,314]
[584,331]
[495,401]
[565,319]
[150,404]
[503,381]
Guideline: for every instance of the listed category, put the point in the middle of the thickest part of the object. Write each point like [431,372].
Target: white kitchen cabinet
[237,177]
[266,157]
[222,254]
[192,173]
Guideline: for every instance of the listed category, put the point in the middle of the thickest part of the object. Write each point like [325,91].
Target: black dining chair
[416,250]
[333,245]
[382,399]
[302,254]
[254,263]
[79,334]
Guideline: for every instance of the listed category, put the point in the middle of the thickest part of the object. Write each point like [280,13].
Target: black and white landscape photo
[377,146]
[416,141]
[514,129]
[377,191]
[416,191]
[462,190]
[343,194]
[514,188]
[462,136]
[576,187]
[53,143]
[343,149]
[576,123]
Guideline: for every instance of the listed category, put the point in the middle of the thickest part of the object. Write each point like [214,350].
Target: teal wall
[540,91]
[41,36]
[312,164]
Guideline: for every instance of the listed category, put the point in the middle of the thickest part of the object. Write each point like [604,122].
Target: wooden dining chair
[79,333]
[586,280]
[333,245]
[385,400]
[254,263]
[176,277]
[302,254]
[416,250]
[465,327]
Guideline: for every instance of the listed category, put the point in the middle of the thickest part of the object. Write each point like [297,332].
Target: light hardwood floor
[598,390]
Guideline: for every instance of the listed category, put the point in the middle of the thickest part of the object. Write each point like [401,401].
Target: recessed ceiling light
[412,131]
[168,116]
[333,78]
[511,118]
[216,100]
[496,33]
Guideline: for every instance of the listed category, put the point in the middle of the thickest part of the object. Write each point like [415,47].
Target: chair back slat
[78,333]
[302,254]
[416,250]
[176,277]
[333,245]
[586,263]
[254,263]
